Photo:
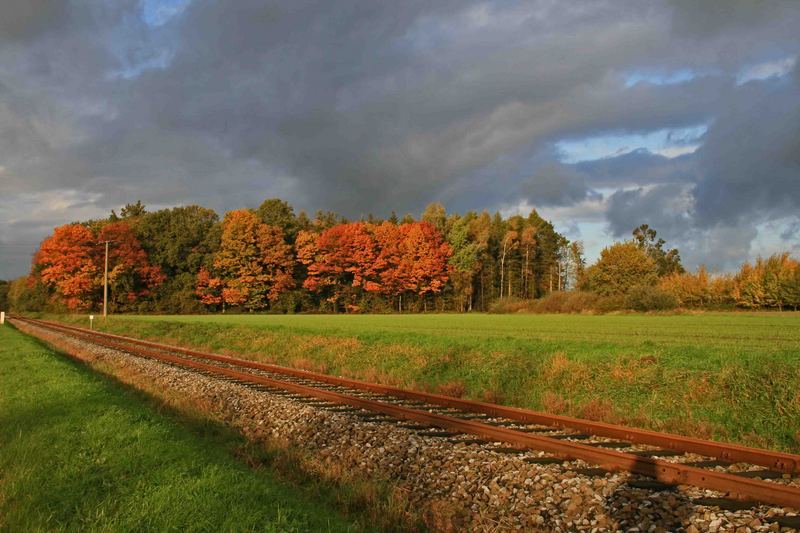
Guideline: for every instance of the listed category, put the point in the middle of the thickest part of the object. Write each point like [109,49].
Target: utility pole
[105,286]
[105,280]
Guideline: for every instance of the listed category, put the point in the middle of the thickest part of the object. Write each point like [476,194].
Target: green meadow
[79,451]
[728,376]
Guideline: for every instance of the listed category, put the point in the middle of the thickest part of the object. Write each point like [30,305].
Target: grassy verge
[729,376]
[78,451]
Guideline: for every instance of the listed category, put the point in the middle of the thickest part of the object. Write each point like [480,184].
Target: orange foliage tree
[66,263]
[346,260]
[341,261]
[70,263]
[772,282]
[252,267]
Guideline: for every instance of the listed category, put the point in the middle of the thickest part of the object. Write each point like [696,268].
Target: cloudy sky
[603,115]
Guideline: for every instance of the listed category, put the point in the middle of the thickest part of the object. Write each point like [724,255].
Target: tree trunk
[483,300]
[524,278]
[502,271]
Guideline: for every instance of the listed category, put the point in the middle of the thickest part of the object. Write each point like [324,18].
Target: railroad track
[746,476]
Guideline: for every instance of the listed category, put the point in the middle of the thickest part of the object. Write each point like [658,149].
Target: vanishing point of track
[464,417]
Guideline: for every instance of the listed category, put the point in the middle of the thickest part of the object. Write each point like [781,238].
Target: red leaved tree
[71,264]
[386,258]
[130,274]
[341,261]
[66,263]
[208,289]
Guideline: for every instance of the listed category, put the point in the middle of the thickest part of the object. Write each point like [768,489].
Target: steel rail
[734,453]
[673,473]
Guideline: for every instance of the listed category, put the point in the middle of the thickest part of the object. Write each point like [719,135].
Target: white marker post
[91,321]
[2,317]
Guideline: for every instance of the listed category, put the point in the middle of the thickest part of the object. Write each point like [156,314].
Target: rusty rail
[673,473]
[778,461]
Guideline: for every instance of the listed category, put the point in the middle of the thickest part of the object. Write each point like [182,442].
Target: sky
[600,114]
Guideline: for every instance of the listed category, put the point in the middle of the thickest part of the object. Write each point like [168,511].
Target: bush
[647,298]
[609,304]
[560,302]
[567,302]
[510,305]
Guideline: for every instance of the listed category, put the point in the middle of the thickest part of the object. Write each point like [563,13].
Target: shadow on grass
[286,465]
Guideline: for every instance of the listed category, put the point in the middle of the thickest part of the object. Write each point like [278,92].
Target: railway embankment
[732,377]
[451,479]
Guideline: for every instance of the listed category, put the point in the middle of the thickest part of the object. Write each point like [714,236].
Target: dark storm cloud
[25,19]
[639,167]
[372,105]
[749,163]
[665,207]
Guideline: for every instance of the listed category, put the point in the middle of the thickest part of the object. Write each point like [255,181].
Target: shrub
[510,305]
[648,298]
[560,302]
[568,302]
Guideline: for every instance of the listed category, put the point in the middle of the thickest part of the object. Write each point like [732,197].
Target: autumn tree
[767,283]
[689,289]
[28,293]
[620,267]
[348,260]
[253,265]
[792,289]
[425,258]
[70,262]
[667,261]
[67,263]
[130,274]
[340,261]
[748,287]
[208,288]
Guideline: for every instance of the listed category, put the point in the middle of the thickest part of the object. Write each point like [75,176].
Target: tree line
[188,260]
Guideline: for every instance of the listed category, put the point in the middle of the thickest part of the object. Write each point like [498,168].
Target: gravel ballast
[463,486]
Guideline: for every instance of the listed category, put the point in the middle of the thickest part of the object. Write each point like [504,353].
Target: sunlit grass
[730,376]
[79,452]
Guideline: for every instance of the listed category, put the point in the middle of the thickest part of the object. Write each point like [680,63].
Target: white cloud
[766,70]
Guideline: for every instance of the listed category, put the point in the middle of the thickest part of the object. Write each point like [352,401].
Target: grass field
[729,376]
[79,452]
